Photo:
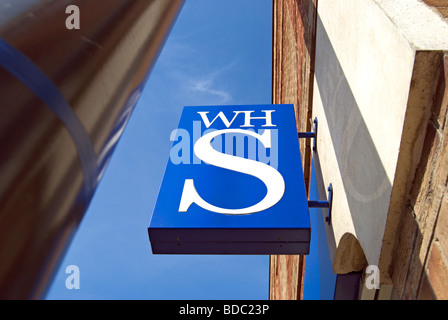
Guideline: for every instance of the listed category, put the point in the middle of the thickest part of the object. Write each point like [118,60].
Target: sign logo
[234,178]
[203,149]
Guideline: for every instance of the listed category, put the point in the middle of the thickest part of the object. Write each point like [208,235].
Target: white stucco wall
[365,51]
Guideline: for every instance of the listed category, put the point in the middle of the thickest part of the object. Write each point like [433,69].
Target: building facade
[374,74]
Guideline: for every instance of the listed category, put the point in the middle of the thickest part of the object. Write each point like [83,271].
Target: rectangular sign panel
[233,184]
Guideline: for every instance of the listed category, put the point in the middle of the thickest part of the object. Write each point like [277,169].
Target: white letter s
[267,174]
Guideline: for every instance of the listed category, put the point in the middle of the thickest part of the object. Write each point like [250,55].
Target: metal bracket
[324,204]
[318,203]
[312,135]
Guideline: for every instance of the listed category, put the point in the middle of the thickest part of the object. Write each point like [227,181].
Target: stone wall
[420,264]
[440,5]
[374,73]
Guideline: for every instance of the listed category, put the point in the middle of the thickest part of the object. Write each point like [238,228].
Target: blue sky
[219,52]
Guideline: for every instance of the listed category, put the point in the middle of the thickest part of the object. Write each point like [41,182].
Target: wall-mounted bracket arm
[324,204]
[312,135]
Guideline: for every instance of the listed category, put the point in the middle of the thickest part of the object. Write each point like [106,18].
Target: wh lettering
[204,150]
[247,118]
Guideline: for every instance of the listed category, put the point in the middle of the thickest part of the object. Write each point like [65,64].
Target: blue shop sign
[233,184]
